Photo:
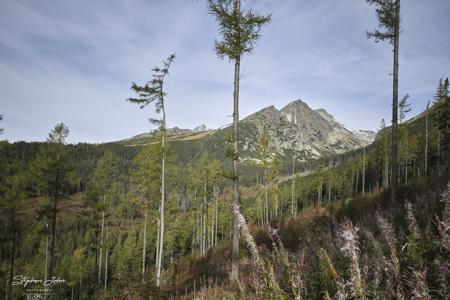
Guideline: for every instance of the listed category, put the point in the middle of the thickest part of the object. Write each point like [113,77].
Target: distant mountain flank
[174,131]
[295,130]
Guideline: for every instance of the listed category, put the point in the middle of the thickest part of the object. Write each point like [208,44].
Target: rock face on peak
[327,116]
[298,130]
[200,128]
[365,136]
[177,131]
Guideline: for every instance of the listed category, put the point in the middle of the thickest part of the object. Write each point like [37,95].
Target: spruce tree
[404,107]
[388,13]
[1,129]
[51,171]
[153,92]
[239,30]
[442,103]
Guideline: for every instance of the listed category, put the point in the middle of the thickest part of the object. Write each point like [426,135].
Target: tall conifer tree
[239,30]
[388,13]
[51,172]
[153,92]
[1,129]
[442,102]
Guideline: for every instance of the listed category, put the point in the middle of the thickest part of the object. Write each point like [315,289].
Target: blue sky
[74,61]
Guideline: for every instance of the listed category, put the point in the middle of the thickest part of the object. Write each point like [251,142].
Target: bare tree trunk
[293,202]
[329,193]
[216,212]
[54,211]
[426,139]
[267,271]
[364,171]
[46,254]
[261,211]
[395,104]
[438,146]
[266,201]
[163,195]
[196,225]
[157,245]
[206,219]
[406,163]
[276,197]
[211,234]
[203,228]
[211,240]
[106,259]
[81,284]
[386,164]
[350,191]
[406,172]
[144,243]
[319,194]
[194,233]
[357,182]
[399,163]
[236,210]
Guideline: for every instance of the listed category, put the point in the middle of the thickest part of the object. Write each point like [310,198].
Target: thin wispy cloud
[74,61]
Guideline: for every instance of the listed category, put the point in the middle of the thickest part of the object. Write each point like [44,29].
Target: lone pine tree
[388,14]
[240,31]
[153,92]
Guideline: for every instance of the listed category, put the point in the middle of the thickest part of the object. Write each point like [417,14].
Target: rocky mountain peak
[200,128]
[300,129]
[297,103]
[266,115]
[365,136]
[267,111]
[177,131]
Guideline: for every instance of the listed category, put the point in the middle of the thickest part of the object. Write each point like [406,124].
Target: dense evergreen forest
[174,220]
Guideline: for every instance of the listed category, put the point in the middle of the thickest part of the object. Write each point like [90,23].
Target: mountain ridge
[295,130]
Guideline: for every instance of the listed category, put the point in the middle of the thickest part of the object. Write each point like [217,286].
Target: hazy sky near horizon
[74,61]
